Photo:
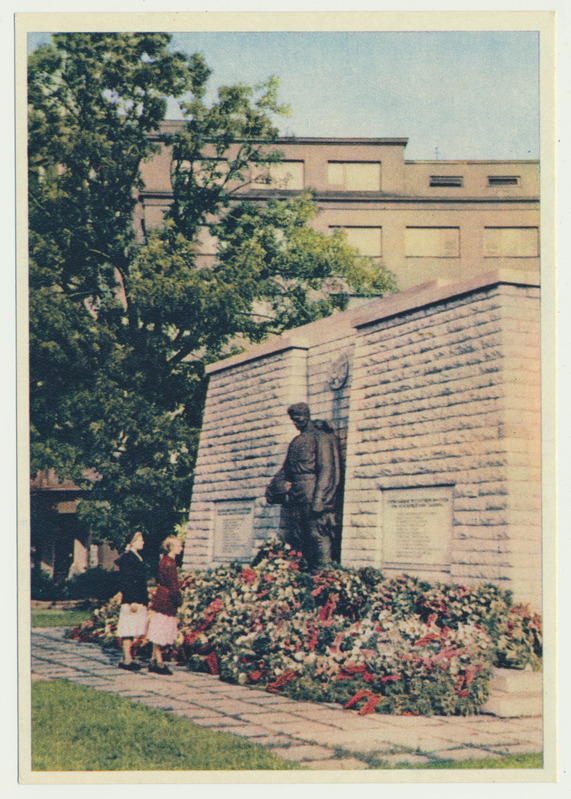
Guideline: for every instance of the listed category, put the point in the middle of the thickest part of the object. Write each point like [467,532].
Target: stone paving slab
[271,741]
[276,718]
[233,707]
[412,722]
[304,752]
[235,724]
[299,731]
[254,731]
[300,728]
[258,698]
[161,703]
[339,719]
[197,714]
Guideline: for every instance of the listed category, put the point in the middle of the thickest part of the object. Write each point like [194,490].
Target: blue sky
[453,94]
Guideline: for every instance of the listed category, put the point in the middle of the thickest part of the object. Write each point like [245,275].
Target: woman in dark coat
[164,605]
[133,616]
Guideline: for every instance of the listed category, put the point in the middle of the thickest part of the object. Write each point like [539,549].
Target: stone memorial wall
[435,394]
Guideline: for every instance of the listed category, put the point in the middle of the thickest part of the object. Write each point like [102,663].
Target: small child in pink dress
[164,605]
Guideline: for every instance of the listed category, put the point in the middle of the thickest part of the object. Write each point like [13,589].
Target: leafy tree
[120,329]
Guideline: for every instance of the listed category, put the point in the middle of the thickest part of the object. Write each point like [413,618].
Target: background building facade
[422,219]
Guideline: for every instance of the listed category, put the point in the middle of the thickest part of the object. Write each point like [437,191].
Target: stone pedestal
[515,693]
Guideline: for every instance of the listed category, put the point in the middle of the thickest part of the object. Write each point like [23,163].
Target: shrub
[43,587]
[95,583]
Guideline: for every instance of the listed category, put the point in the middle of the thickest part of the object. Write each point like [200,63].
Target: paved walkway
[320,736]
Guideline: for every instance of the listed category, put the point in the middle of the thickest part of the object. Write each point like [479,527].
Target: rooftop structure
[423,220]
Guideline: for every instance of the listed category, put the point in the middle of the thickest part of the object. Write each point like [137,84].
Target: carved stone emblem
[339,371]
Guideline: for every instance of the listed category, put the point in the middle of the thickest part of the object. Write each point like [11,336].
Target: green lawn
[59,618]
[75,728]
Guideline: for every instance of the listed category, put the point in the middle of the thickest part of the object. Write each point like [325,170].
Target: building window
[354,175]
[208,169]
[281,175]
[446,180]
[432,242]
[511,242]
[367,240]
[503,180]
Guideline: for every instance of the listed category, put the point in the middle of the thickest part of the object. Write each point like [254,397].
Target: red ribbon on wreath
[372,701]
[212,662]
[278,683]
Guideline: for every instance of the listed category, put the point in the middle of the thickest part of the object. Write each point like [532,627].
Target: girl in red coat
[164,604]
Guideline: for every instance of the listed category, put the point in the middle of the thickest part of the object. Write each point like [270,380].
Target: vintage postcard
[286,333]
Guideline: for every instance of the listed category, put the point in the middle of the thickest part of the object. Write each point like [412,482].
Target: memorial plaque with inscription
[233,530]
[417,527]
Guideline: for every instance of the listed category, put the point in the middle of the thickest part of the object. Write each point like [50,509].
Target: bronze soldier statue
[307,483]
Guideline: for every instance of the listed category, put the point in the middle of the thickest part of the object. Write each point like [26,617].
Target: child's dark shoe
[162,669]
[132,666]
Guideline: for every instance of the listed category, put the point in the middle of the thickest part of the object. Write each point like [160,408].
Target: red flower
[248,575]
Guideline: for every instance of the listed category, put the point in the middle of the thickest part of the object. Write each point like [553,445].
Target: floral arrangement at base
[349,636]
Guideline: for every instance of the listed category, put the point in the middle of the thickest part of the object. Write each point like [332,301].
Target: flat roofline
[476,161]
[429,293]
[341,140]
[175,124]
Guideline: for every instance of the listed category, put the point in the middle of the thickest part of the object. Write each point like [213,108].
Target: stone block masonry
[435,394]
